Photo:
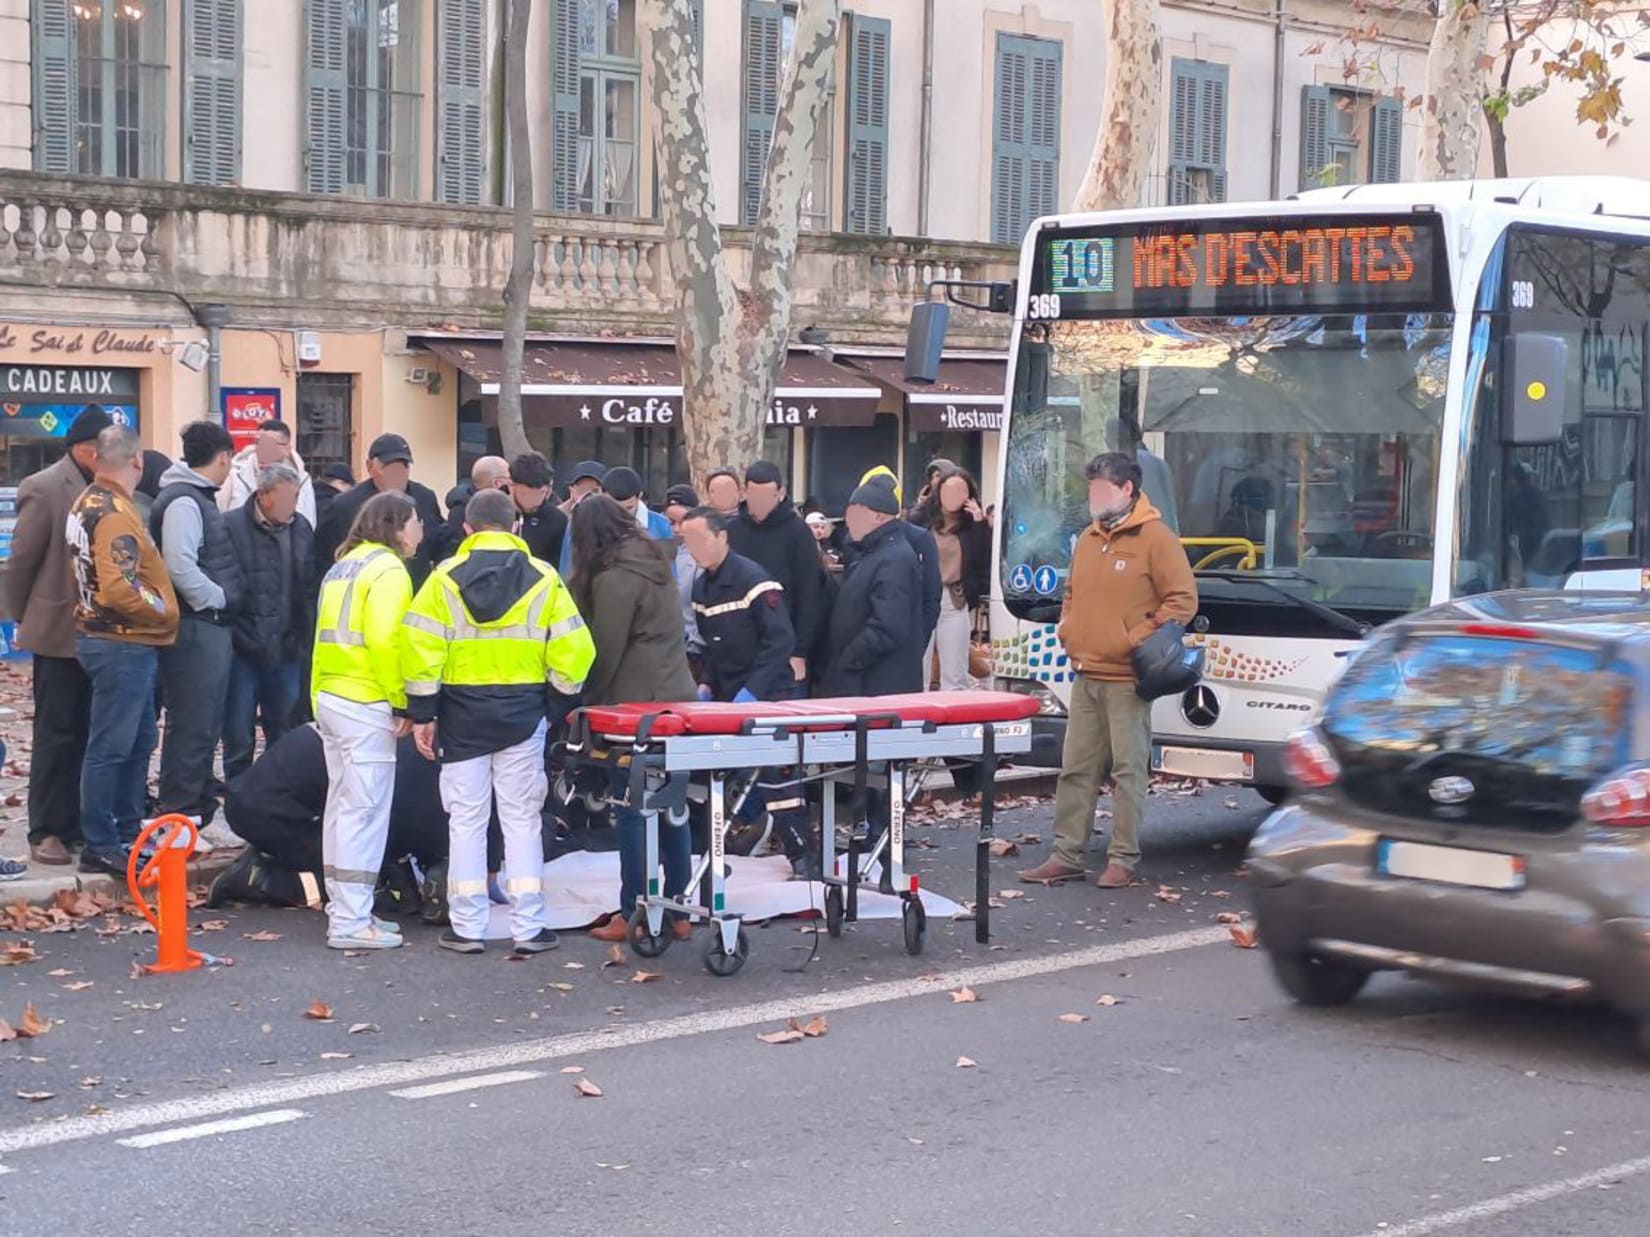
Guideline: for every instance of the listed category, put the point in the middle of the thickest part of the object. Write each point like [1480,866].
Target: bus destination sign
[1307,264]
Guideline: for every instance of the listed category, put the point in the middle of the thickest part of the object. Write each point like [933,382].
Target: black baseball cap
[764,472]
[591,470]
[681,496]
[622,483]
[390,449]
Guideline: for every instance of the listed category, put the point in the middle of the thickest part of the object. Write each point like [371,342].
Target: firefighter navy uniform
[492,648]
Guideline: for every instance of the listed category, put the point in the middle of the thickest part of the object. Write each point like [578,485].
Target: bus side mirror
[925,342]
[1532,402]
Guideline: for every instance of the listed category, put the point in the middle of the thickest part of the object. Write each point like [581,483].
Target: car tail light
[1308,761]
[1622,799]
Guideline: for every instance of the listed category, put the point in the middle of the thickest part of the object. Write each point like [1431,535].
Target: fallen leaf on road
[80,985]
[60,972]
[320,1011]
[644,977]
[814,1028]
[7,1032]
[1220,893]
[1165,894]
[1108,999]
[1231,804]
[572,966]
[1028,839]
[615,957]
[781,1037]
[262,936]
[33,1025]
[572,1069]
[562,987]
[964,1063]
[587,1088]
[1228,917]
[964,996]
[1244,937]
[1008,895]
[138,971]
[1001,848]
[1074,1017]
[17,953]
[87,1084]
[36,1097]
[212,925]
[336,1056]
[363,1028]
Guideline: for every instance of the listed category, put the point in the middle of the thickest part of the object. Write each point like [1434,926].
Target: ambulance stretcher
[864,742]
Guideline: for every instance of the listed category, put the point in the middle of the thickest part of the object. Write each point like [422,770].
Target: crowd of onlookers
[194,593]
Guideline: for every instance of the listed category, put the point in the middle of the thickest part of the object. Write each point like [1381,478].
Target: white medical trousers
[359,742]
[517,778]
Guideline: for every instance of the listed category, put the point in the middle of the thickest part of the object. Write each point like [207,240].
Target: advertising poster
[245,409]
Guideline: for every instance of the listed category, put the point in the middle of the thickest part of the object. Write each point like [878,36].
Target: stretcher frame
[862,747]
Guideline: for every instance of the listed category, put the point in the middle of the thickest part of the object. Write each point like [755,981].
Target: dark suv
[1473,804]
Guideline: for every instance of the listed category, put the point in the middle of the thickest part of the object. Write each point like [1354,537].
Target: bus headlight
[1048,704]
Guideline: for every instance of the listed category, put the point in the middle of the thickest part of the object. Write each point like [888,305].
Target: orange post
[166,872]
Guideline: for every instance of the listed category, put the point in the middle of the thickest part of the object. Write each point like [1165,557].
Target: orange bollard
[166,872]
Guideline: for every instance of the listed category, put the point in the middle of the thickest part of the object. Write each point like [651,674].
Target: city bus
[1348,405]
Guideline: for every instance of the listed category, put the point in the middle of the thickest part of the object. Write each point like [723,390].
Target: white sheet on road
[582,887]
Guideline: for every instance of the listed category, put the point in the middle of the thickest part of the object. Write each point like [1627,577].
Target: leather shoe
[50,851]
[682,929]
[615,929]
[1051,872]
[1116,876]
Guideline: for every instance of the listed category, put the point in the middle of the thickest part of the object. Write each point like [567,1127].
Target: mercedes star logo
[1200,707]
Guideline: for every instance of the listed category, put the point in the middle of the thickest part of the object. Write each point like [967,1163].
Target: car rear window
[1532,725]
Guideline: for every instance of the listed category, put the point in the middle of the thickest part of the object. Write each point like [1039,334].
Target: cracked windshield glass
[1296,456]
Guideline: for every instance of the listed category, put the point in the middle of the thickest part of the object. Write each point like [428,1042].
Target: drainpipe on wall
[926,140]
[214,318]
[1279,20]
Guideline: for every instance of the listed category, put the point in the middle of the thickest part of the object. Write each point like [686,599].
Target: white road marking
[210,1129]
[405,1073]
[4,1170]
[433,1089]
[1492,1207]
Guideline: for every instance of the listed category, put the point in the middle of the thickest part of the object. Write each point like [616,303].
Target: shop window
[595,123]
[363,97]
[1350,137]
[100,87]
[838,458]
[326,421]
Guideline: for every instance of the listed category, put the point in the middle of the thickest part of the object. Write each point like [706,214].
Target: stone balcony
[342,263]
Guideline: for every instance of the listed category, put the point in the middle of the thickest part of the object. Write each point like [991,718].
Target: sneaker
[104,862]
[460,944]
[236,883]
[384,925]
[542,943]
[13,870]
[369,937]
[219,836]
[433,893]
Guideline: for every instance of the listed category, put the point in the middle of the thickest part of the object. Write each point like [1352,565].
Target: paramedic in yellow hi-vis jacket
[493,650]
[360,710]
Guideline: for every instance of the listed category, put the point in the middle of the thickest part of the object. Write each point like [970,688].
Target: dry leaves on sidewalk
[320,1011]
[262,936]
[964,996]
[1108,1000]
[965,1063]
[588,1089]
[1001,848]
[17,953]
[1166,894]
[1244,936]
[795,1032]
[1074,1017]
[644,977]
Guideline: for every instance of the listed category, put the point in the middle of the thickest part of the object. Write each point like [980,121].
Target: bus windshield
[1296,455]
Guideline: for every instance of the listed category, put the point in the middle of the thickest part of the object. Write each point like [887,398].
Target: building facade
[246,208]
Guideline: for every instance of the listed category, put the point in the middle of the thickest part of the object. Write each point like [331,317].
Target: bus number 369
[1042,306]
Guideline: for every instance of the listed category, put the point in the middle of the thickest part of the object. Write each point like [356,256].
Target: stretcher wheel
[642,942]
[916,926]
[833,911]
[719,962]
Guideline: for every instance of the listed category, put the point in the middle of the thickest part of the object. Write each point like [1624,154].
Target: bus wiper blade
[1336,619]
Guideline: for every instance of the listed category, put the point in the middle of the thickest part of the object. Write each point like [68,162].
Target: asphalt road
[1197,1100]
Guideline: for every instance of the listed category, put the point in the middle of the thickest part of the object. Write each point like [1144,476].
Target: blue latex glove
[495,895]
[704,693]
[744,697]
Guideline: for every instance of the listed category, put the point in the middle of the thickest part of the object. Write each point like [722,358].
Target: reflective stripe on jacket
[358,627]
[490,631]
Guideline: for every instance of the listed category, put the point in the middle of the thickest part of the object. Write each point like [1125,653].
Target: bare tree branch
[518,289]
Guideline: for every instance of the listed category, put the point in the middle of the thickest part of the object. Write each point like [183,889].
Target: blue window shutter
[326,86]
[213,38]
[1010,148]
[1386,141]
[867,188]
[1043,113]
[564,114]
[763,21]
[55,87]
[461,106]
[1211,118]
[1317,106]
[1183,104]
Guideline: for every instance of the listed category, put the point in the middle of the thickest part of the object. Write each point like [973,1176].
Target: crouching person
[493,650]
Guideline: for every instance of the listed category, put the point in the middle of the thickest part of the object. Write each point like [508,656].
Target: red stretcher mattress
[698,718]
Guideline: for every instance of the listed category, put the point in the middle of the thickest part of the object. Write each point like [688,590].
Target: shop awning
[618,384]
[967,396]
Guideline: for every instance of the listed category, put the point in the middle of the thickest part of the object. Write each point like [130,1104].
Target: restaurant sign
[939,418]
[643,408]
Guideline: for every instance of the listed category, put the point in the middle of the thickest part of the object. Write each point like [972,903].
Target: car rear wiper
[1335,618]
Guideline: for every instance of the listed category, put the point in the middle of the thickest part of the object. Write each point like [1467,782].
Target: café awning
[640,384]
[967,396]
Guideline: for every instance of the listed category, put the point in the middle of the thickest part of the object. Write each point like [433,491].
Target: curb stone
[37,889]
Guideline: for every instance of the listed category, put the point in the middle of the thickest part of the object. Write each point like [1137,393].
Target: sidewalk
[41,883]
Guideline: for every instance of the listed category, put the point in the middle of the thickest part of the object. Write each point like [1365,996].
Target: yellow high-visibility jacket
[358,628]
[489,644]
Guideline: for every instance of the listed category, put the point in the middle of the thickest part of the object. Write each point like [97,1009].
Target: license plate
[1204,762]
[1449,865]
